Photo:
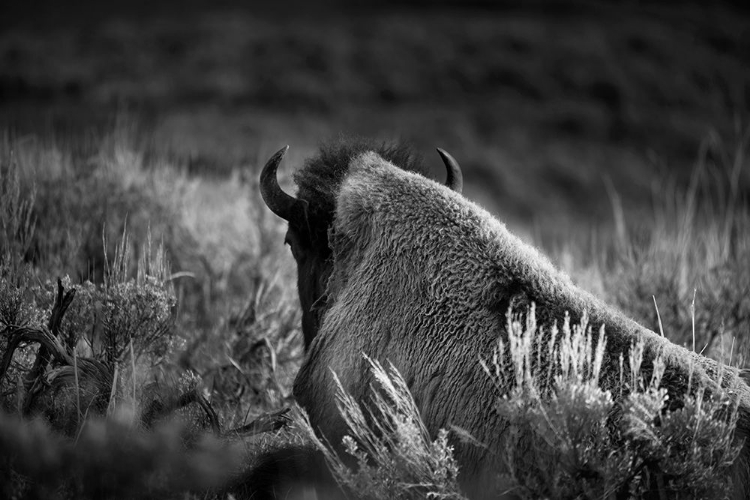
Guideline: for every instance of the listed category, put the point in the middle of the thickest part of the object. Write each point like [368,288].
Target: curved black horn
[287,207]
[455,179]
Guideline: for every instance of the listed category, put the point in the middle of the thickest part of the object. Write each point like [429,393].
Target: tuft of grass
[17,220]
[394,454]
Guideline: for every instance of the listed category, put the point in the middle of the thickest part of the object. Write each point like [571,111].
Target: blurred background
[552,108]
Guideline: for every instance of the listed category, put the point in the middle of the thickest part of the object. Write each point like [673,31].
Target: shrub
[228,311]
[569,437]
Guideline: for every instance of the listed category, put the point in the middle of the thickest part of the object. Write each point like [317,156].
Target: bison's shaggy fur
[424,278]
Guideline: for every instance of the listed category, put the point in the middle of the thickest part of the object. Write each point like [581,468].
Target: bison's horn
[287,207]
[455,179]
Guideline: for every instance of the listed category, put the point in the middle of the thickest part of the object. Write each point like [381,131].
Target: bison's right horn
[287,207]
[455,179]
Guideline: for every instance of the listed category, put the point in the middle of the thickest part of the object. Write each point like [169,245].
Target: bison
[406,270]
[310,214]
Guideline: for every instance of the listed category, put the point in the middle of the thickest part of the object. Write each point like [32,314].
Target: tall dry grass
[394,453]
[684,259]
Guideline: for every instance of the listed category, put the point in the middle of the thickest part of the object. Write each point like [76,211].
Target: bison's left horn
[455,179]
[285,206]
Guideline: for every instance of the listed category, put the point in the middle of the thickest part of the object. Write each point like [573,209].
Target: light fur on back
[423,278]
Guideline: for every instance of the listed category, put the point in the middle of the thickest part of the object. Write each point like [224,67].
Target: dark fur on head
[319,181]
[318,184]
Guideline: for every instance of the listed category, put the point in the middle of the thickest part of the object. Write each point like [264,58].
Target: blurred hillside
[543,105]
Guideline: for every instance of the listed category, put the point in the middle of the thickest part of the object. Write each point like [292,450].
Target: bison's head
[310,213]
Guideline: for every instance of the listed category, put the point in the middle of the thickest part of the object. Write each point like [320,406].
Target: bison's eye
[291,240]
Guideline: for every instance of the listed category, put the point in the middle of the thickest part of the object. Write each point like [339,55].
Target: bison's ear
[455,179]
[285,206]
